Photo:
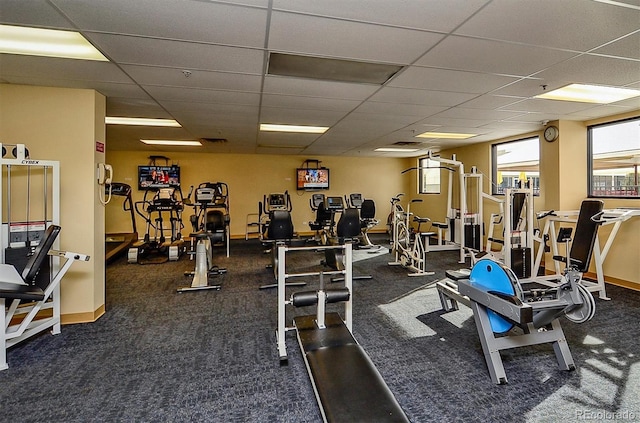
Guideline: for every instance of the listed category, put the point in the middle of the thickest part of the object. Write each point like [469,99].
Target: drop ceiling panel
[310,103]
[568,24]
[105,88]
[184,20]
[135,107]
[628,47]
[409,110]
[354,40]
[176,54]
[464,53]
[421,97]
[548,106]
[44,68]
[299,117]
[590,69]
[412,13]
[491,102]
[210,108]
[149,75]
[203,96]
[32,13]
[444,80]
[476,114]
[315,88]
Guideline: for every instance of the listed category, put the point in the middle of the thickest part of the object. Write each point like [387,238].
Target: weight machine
[408,248]
[31,267]
[210,223]
[601,217]
[333,358]
[500,303]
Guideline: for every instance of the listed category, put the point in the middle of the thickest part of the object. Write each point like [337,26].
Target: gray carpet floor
[210,356]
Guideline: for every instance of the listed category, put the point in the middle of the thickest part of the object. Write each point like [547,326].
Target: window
[429,176]
[614,159]
[514,162]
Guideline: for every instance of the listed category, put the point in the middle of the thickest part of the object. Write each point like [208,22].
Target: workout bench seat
[347,384]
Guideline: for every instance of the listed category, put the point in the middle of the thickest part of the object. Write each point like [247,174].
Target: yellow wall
[250,177]
[63,125]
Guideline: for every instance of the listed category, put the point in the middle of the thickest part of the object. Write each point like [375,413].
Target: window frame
[422,169]
[591,178]
[495,187]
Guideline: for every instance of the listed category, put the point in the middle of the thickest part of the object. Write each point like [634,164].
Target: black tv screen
[155,177]
[312,178]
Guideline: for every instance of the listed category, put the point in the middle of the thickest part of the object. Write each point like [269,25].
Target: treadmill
[118,243]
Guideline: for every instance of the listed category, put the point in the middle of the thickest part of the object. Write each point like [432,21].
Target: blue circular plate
[491,276]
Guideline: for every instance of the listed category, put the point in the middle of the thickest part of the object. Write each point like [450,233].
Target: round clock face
[551,133]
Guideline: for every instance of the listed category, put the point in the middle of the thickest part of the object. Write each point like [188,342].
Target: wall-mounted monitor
[312,178]
[156,177]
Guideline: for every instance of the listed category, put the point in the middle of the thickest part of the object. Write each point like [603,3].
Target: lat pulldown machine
[347,385]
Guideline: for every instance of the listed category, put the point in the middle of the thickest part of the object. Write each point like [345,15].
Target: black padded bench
[348,385]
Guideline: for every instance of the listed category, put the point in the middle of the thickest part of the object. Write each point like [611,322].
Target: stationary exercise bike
[210,223]
[409,248]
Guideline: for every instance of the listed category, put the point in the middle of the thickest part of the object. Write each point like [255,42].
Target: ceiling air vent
[405,143]
[213,140]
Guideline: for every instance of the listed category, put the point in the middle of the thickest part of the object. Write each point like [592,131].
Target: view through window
[515,162]
[429,176]
[614,158]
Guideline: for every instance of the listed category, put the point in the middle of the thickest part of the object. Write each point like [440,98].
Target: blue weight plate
[491,276]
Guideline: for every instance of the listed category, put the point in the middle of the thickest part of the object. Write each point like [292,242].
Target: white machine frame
[409,254]
[282,277]
[613,217]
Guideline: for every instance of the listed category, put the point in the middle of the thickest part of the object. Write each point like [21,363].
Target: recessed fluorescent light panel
[330,69]
[47,42]
[590,94]
[109,120]
[293,128]
[173,142]
[446,135]
[396,150]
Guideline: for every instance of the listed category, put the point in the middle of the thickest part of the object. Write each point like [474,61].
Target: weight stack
[520,260]
[472,236]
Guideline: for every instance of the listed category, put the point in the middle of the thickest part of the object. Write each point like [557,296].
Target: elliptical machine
[159,249]
[210,223]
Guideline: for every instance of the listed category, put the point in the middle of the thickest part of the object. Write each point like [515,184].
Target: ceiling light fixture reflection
[47,42]
[192,143]
[305,129]
[446,135]
[109,120]
[584,93]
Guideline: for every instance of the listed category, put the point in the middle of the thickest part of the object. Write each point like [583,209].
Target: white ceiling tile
[488,56]
[176,54]
[300,117]
[548,106]
[628,47]
[150,75]
[422,97]
[568,24]
[179,20]
[419,14]
[476,114]
[310,103]
[316,88]
[203,96]
[35,13]
[107,89]
[54,68]
[414,110]
[357,41]
[491,102]
[135,107]
[443,80]
[590,69]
